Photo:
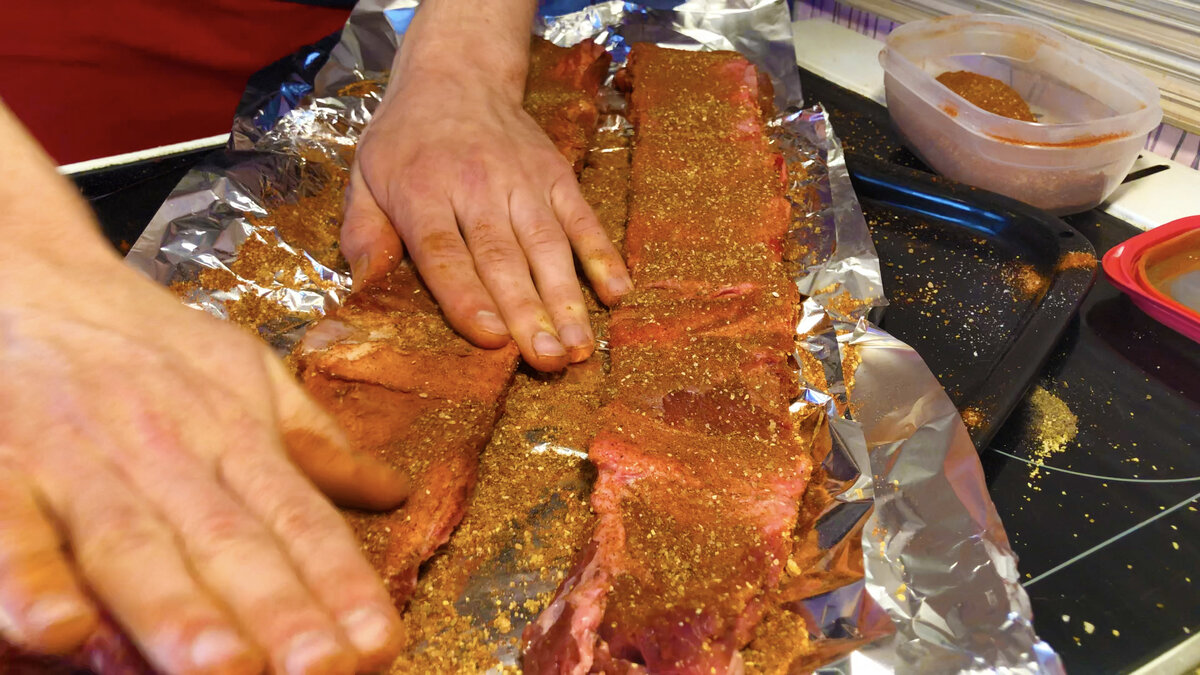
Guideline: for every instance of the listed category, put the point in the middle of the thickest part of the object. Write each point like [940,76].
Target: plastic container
[1093,113]
[1160,271]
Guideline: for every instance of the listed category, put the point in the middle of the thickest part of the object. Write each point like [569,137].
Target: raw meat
[700,465]
[405,387]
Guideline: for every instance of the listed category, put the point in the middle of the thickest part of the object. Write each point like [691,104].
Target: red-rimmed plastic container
[1160,271]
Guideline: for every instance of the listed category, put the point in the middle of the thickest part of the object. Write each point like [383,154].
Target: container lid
[1160,271]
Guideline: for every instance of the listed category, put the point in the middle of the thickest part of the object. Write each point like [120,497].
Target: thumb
[369,242]
[319,448]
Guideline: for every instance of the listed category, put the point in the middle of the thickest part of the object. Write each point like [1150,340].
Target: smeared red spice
[1080,142]
[988,93]
[1076,260]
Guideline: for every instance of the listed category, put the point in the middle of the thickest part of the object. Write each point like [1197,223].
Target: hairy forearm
[451,38]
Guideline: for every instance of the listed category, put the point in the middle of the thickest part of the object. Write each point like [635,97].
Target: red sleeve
[93,78]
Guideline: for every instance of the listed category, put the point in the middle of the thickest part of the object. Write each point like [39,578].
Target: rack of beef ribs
[700,465]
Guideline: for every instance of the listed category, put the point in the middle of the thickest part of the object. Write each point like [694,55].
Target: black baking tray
[125,197]
[976,284]
[1102,530]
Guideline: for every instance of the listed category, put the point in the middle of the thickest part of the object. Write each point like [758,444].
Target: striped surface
[1165,141]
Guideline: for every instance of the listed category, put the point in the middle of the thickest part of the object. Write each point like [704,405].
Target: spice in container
[988,93]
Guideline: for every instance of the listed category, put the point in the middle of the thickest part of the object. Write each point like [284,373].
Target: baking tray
[1099,531]
[976,284]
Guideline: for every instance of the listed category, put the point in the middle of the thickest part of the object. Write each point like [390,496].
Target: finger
[553,267]
[601,261]
[237,557]
[326,554]
[42,607]
[448,270]
[319,448]
[130,560]
[369,242]
[504,270]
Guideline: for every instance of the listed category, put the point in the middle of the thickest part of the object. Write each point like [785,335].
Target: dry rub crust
[405,387]
[700,466]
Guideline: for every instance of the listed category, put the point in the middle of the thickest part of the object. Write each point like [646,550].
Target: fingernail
[619,285]
[216,647]
[314,652]
[490,323]
[49,612]
[369,629]
[575,336]
[545,344]
[358,272]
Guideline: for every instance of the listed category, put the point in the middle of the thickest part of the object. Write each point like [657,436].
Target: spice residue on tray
[973,417]
[988,93]
[1076,260]
[1025,280]
[1052,425]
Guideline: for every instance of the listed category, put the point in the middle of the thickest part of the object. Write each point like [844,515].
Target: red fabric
[93,78]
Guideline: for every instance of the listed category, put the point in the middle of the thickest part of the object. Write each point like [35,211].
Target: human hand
[453,168]
[158,462]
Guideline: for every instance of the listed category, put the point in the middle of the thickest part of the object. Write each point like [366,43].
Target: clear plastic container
[1093,113]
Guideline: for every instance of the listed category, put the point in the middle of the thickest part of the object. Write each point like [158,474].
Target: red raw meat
[691,531]
[700,466]
[667,315]
[406,388]
[560,94]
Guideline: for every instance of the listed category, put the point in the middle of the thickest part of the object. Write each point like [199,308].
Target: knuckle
[419,180]
[546,240]
[586,229]
[473,171]
[220,529]
[580,223]
[417,187]
[532,311]
[295,517]
[119,536]
[484,230]
[490,254]
[438,245]
[555,166]
[565,298]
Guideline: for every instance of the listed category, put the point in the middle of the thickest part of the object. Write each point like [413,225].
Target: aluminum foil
[936,557]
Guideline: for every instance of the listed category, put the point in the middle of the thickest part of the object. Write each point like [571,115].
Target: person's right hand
[158,462]
[452,169]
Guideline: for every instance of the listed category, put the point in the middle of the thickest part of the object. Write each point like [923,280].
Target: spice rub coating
[700,466]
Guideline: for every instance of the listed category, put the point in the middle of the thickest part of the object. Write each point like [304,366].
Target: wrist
[480,46]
